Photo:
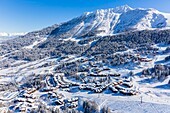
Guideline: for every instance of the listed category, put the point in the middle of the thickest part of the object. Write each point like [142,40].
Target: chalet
[66,89]
[128,92]
[82,73]
[72,105]
[92,64]
[144,59]
[59,96]
[119,87]
[59,74]
[74,84]
[29,105]
[103,87]
[59,102]
[19,100]
[86,87]
[5,110]
[90,86]
[26,95]
[81,87]
[35,105]
[128,84]
[23,109]
[127,79]
[114,90]
[94,75]
[65,86]
[47,89]
[84,60]
[75,99]
[115,75]
[29,100]
[98,90]
[119,82]
[115,83]
[52,95]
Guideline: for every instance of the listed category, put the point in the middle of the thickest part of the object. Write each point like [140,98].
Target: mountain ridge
[118,52]
[113,20]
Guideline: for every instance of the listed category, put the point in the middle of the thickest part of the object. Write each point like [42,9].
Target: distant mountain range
[3,34]
[6,36]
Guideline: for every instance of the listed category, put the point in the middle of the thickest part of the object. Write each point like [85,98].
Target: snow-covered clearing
[35,43]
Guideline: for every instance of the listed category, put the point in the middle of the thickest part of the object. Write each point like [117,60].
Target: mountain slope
[113,20]
[80,34]
[57,67]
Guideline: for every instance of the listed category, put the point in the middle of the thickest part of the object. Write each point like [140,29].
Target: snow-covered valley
[110,61]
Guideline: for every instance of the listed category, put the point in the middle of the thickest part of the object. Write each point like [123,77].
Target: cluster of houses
[48,96]
[96,83]
[59,100]
[71,103]
[124,86]
[25,101]
[99,83]
[53,97]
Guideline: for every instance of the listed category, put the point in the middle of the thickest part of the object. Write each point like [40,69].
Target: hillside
[111,60]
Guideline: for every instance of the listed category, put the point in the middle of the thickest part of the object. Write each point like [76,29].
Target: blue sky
[29,15]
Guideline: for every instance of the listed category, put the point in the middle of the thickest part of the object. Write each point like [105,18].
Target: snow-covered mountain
[73,67]
[114,20]
[4,34]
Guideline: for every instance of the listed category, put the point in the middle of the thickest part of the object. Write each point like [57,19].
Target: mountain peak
[114,20]
[121,9]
